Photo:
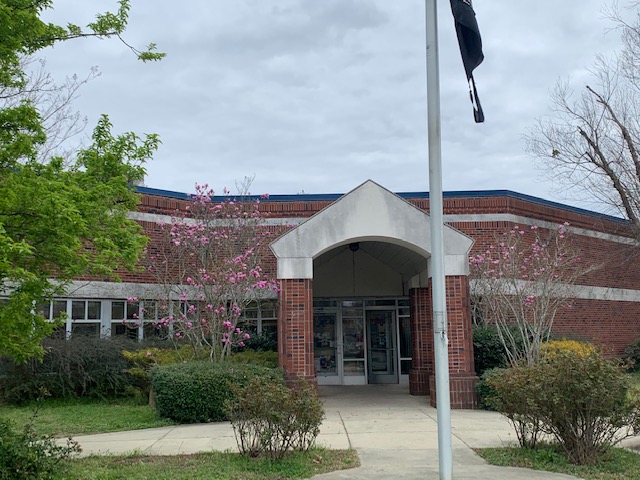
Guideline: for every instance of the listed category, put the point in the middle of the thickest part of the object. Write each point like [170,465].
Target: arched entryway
[340,272]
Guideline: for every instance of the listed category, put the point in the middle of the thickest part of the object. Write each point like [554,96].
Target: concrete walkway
[394,433]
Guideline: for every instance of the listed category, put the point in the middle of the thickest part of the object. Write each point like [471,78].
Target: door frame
[392,378]
[339,378]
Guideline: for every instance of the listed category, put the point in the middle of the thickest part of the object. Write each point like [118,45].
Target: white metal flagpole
[440,338]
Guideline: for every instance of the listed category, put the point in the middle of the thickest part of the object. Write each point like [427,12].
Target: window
[125,319]
[261,318]
[85,317]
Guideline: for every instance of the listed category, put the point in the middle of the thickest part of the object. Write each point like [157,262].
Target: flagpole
[440,339]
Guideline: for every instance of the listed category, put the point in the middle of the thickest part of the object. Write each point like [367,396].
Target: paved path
[394,433]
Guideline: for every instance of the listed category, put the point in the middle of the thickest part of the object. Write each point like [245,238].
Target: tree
[522,282]
[210,268]
[59,218]
[592,143]
[54,102]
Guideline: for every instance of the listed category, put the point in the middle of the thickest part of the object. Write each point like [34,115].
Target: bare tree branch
[589,144]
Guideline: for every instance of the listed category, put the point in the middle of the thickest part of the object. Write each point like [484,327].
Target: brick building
[354,306]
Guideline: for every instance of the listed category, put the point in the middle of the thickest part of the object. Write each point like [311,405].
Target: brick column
[295,330]
[462,377]
[422,340]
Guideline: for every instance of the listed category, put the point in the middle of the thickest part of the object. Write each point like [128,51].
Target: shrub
[26,455]
[196,391]
[632,356]
[264,342]
[512,392]
[142,360]
[485,390]
[488,350]
[552,348]
[579,398]
[262,358]
[80,366]
[270,419]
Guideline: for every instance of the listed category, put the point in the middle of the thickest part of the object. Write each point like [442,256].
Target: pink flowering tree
[522,281]
[209,269]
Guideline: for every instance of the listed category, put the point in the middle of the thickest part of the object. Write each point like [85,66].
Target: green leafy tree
[59,218]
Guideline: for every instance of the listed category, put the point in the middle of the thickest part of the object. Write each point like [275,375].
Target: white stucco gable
[369,212]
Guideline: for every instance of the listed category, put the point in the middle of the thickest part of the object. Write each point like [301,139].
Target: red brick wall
[613,324]
[295,328]
[422,340]
[459,325]
[461,370]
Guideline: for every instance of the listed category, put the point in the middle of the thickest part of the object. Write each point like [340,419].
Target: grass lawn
[620,464]
[211,465]
[83,416]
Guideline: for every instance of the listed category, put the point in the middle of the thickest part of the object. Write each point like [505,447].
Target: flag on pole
[470,48]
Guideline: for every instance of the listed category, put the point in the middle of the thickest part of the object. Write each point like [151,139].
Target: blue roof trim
[304,197]
[321,197]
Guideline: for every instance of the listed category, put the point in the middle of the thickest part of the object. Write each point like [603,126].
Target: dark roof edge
[320,197]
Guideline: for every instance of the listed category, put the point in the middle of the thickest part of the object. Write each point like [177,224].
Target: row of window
[139,319]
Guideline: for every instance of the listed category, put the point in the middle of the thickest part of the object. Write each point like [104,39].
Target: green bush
[144,359]
[632,356]
[484,389]
[270,419]
[264,342]
[78,367]
[196,391]
[579,398]
[263,358]
[26,455]
[488,351]
[512,392]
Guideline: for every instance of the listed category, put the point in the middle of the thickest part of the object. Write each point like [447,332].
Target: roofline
[322,197]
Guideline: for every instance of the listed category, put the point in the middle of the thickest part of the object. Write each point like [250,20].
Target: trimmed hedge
[197,391]
[262,358]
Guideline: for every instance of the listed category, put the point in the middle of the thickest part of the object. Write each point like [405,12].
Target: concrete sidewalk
[394,433]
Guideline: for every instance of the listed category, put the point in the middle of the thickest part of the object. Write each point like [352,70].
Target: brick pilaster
[422,339]
[462,378]
[295,329]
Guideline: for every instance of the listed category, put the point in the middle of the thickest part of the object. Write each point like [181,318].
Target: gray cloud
[321,95]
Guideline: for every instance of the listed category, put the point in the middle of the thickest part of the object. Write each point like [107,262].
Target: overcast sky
[317,96]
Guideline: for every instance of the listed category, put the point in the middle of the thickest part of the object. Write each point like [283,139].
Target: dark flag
[470,48]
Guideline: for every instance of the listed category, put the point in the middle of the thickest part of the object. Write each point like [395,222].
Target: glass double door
[355,350]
